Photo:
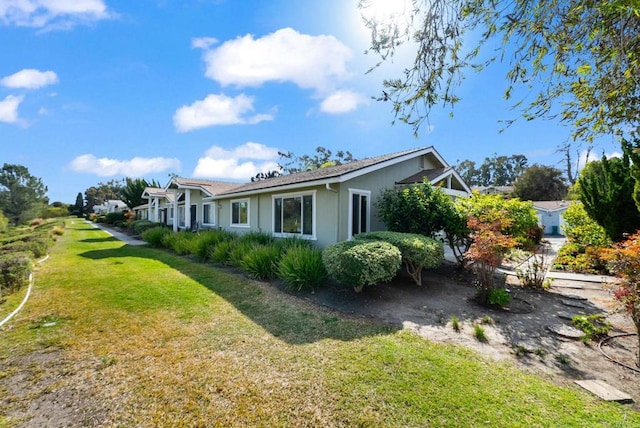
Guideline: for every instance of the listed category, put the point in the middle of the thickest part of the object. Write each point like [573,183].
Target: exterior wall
[551,221]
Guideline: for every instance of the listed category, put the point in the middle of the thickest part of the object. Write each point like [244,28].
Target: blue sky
[92,90]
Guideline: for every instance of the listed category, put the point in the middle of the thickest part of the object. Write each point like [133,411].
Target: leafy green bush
[582,230]
[260,238]
[155,236]
[594,326]
[239,250]
[302,267]
[418,251]
[207,240]
[221,253]
[35,246]
[180,242]
[261,261]
[14,272]
[499,297]
[574,257]
[112,218]
[362,263]
[139,226]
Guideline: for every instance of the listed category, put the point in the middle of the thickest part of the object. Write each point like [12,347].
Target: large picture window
[209,214]
[240,213]
[294,215]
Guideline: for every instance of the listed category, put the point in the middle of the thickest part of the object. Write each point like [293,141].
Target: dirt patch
[520,334]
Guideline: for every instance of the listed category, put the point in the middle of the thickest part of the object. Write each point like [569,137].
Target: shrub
[594,326]
[14,272]
[359,263]
[479,333]
[418,251]
[180,242]
[36,222]
[582,230]
[139,226]
[577,258]
[155,236]
[207,240]
[533,271]
[261,261]
[259,238]
[57,230]
[36,247]
[221,253]
[499,297]
[112,218]
[239,249]
[302,267]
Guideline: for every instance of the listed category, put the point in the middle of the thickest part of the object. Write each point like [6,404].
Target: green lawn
[152,339]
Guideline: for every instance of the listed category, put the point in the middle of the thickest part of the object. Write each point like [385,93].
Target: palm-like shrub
[261,262]
[208,240]
[302,267]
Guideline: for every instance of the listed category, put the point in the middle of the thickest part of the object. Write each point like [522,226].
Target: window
[171,213]
[359,211]
[294,215]
[209,214]
[240,213]
[181,215]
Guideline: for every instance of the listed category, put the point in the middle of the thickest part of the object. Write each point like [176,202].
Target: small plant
[540,352]
[479,333]
[565,360]
[499,297]
[595,326]
[487,320]
[534,270]
[206,241]
[455,324]
[520,351]
[57,230]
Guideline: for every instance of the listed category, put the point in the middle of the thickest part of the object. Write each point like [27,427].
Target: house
[326,205]
[493,190]
[550,214]
[110,206]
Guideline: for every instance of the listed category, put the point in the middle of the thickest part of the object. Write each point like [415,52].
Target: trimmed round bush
[418,251]
[362,263]
[139,226]
[302,267]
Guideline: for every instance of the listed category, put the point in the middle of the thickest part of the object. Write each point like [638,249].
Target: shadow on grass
[291,318]
[94,240]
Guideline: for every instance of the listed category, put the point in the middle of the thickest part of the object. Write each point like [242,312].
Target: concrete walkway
[127,239]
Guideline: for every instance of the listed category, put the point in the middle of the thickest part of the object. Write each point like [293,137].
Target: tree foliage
[494,171]
[582,54]
[632,149]
[606,191]
[540,183]
[131,192]
[323,157]
[582,230]
[22,196]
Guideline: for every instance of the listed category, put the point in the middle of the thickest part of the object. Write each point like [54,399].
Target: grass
[156,339]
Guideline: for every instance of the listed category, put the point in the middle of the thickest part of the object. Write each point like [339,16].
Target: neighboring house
[331,204]
[493,190]
[326,205]
[110,206]
[550,214]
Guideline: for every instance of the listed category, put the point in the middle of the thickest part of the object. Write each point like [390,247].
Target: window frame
[212,213]
[239,201]
[359,192]
[314,220]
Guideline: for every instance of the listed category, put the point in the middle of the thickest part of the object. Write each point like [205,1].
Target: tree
[632,149]
[584,54]
[495,171]
[131,192]
[265,175]
[540,183]
[425,210]
[323,157]
[22,196]
[606,191]
[77,208]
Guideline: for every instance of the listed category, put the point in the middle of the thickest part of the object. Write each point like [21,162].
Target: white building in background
[110,206]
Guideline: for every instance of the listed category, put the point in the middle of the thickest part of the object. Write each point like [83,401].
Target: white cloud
[237,164]
[203,42]
[29,78]
[136,167]
[587,156]
[342,101]
[311,62]
[217,110]
[52,14]
[9,109]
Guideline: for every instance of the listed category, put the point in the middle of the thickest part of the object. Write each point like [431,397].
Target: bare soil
[519,334]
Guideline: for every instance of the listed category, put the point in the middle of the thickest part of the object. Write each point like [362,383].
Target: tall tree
[131,192]
[77,208]
[583,54]
[22,196]
[606,191]
[540,183]
[632,149]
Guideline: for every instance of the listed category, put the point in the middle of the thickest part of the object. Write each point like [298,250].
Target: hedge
[14,272]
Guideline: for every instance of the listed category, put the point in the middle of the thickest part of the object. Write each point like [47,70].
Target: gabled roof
[156,192]
[550,206]
[435,175]
[211,188]
[332,174]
